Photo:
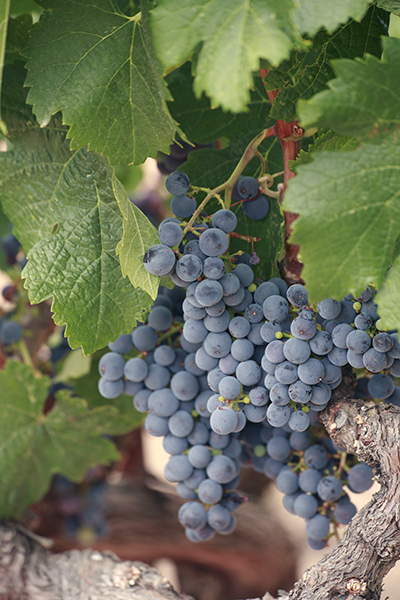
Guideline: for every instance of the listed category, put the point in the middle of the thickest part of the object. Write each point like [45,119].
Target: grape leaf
[17,35]
[390,5]
[139,235]
[387,298]
[311,15]
[327,142]
[307,73]
[4,12]
[97,65]
[65,214]
[349,219]
[235,36]
[364,99]
[22,7]
[33,447]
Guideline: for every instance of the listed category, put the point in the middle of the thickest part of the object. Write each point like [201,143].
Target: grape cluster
[240,378]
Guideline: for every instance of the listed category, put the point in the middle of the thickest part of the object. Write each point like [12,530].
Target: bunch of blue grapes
[256,365]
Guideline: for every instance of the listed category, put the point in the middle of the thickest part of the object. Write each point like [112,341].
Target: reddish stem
[289,135]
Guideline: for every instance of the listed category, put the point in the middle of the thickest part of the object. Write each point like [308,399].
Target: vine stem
[250,152]
[289,135]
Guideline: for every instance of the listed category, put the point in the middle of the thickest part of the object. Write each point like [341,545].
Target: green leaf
[17,35]
[33,447]
[97,65]
[22,7]
[74,366]
[65,213]
[312,15]
[364,99]
[4,11]
[349,221]
[307,73]
[235,35]
[327,142]
[387,298]
[390,5]
[139,235]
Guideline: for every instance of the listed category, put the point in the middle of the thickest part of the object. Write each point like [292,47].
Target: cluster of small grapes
[168,385]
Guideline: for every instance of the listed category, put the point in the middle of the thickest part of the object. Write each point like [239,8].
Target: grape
[329,489]
[230,284]
[287,482]
[248,298]
[192,312]
[214,242]
[110,388]
[157,377]
[218,441]
[217,324]
[199,456]
[170,233]
[155,425]
[192,515]
[318,527]
[277,416]
[269,330]
[213,267]
[200,403]
[183,206]
[122,345]
[299,421]
[184,385]
[205,361]
[344,511]
[164,356]
[229,388]
[233,449]
[214,377]
[360,478]
[239,327]
[300,392]
[329,308]
[248,372]
[374,361]
[274,352]
[217,345]
[340,333]
[160,318]
[159,260]
[311,372]
[279,448]
[305,506]
[321,343]
[245,275]
[320,394]
[189,267]
[297,295]
[303,329]
[382,342]
[216,309]
[258,396]
[347,313]
[140,400]
[358,341]
[222,469]
[111,365]
[218,517]
[363,322]
[256,209]
[186,493]
[163,403]
[300,440]
[266,289]
[247,187]
[177,183]
[208,292]
[275,308]
[223,420]
[316,456]
[193,247]
[174,445]
[236,299]
[286,372]
[228,364]
[380,386]
[224,219]
[194,331]
[209,491]
[181,424]
[144,338]
[198,435]
[255,414]
[337,356]
[194,480]
[309,480]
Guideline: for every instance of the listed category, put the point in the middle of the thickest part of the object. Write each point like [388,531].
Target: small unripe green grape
[357,306]
[259,450]
[252,287]
[279,335]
